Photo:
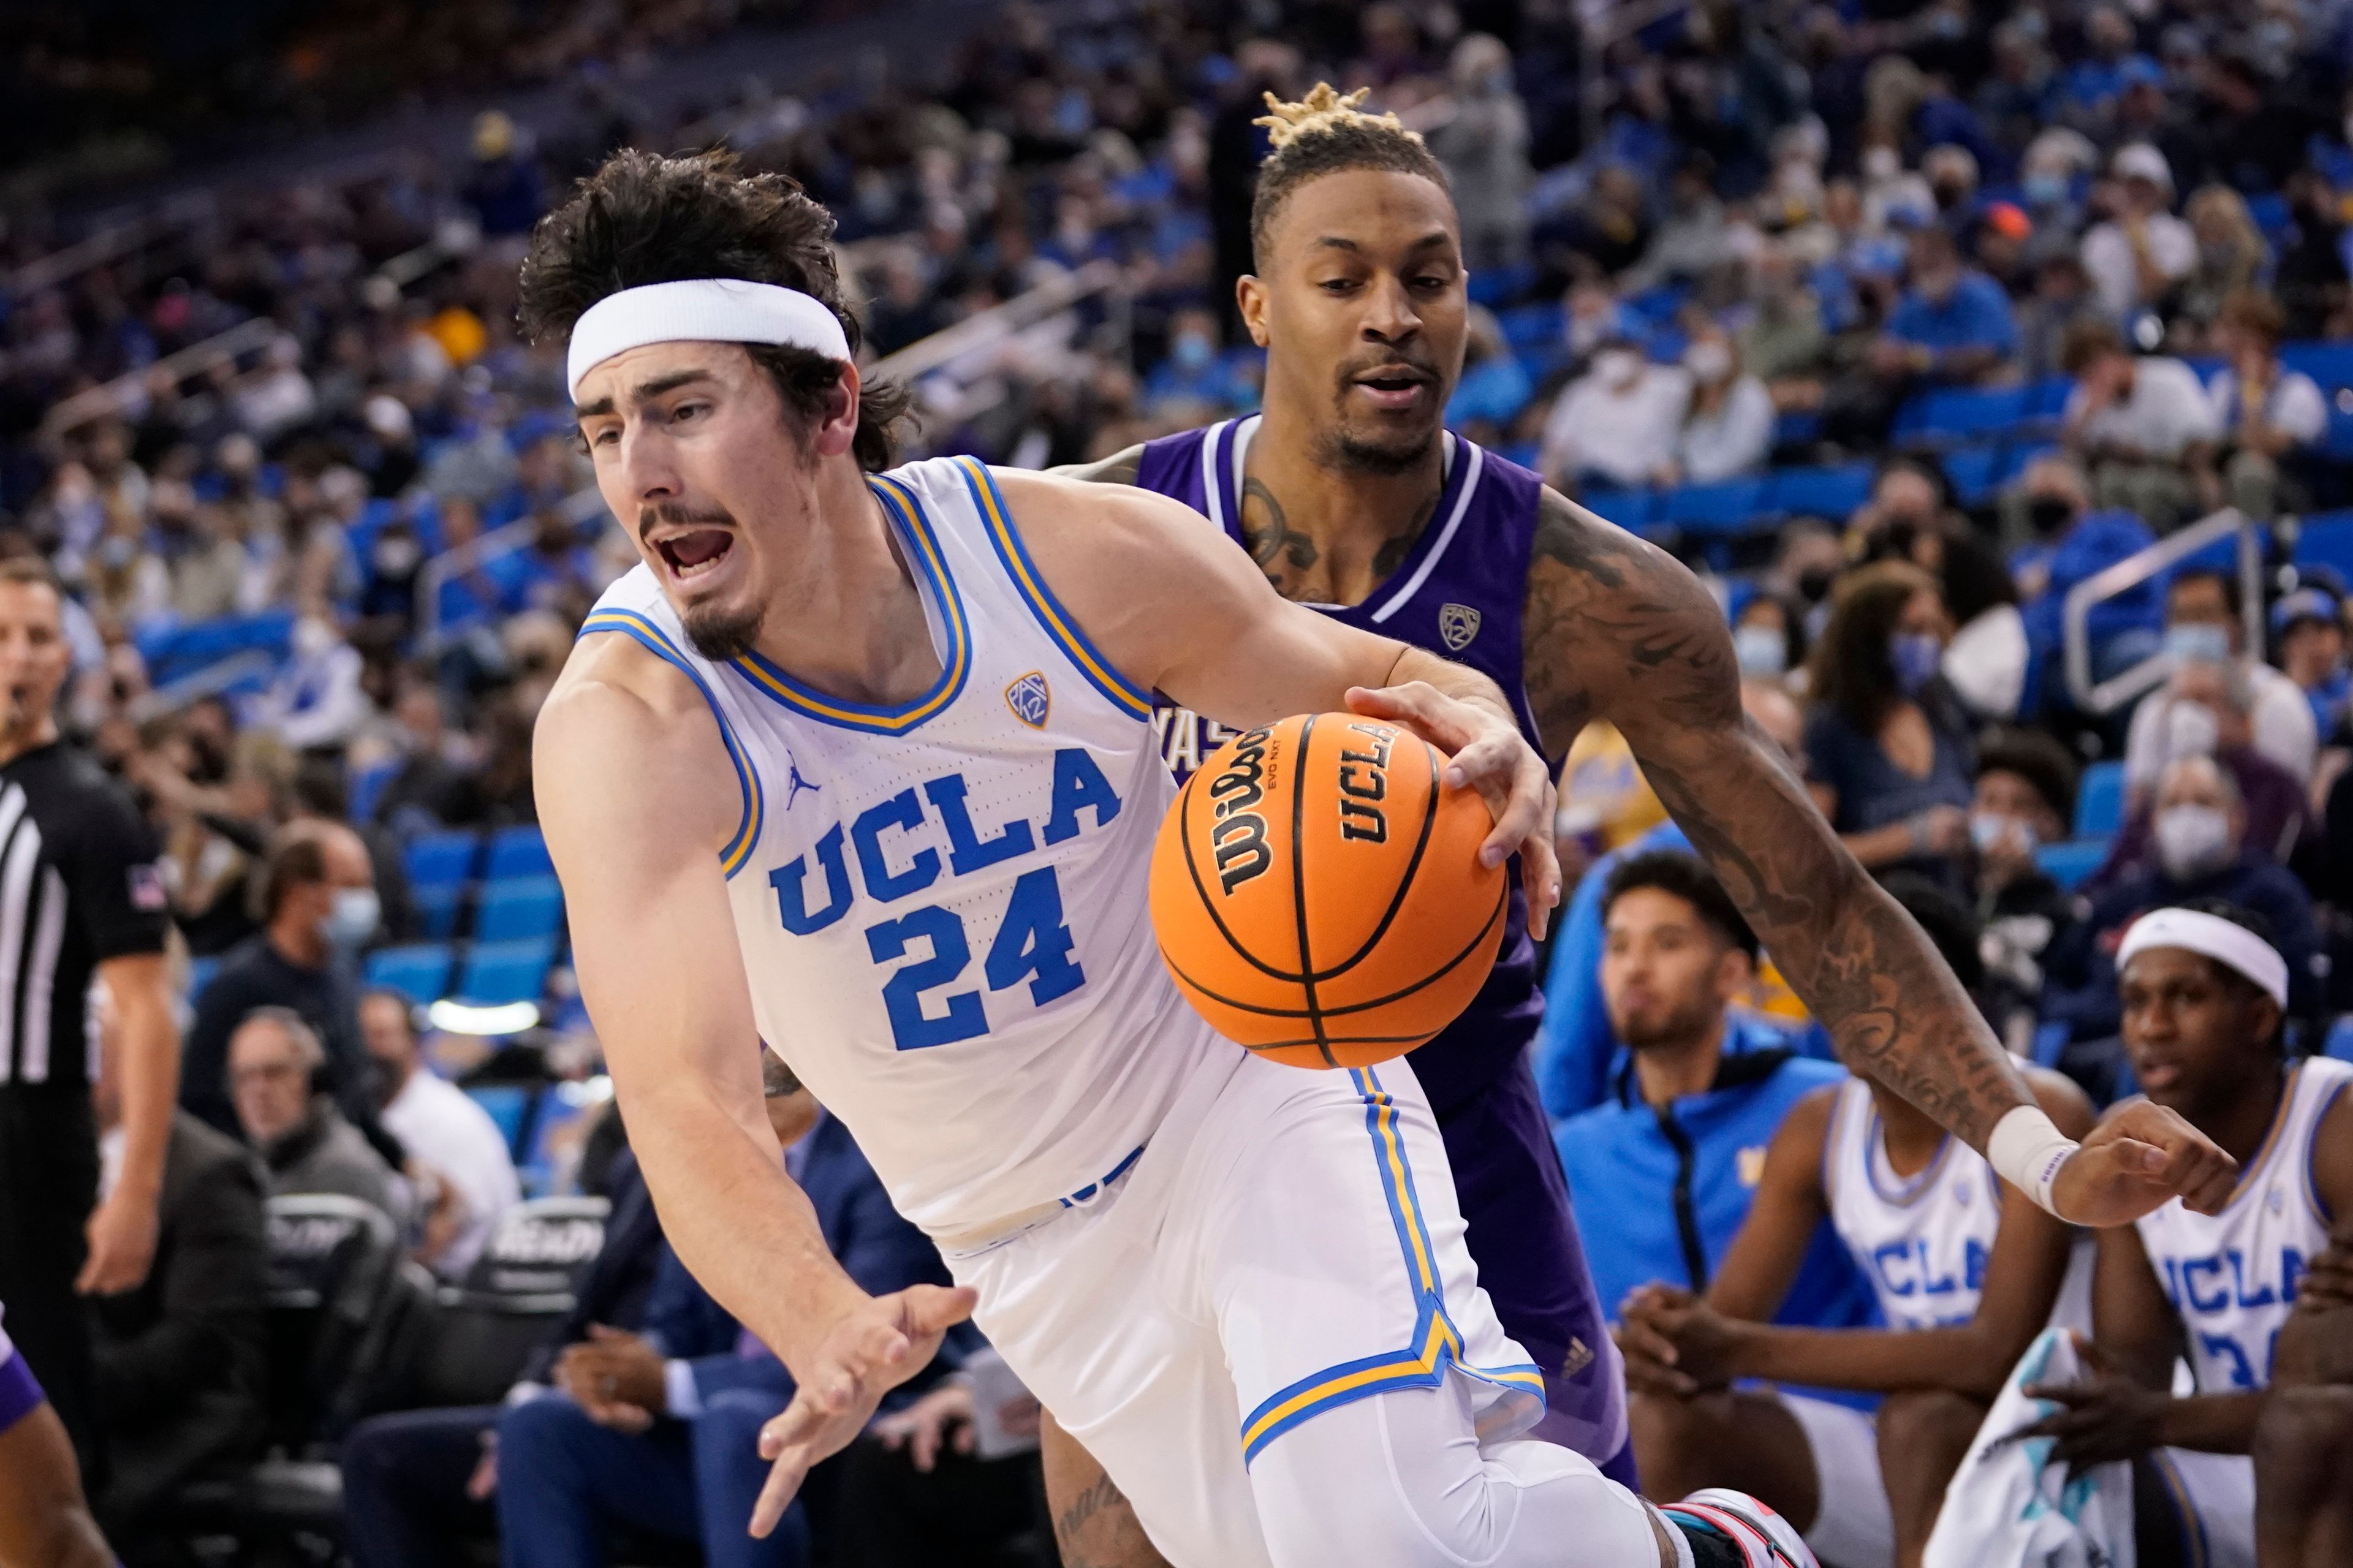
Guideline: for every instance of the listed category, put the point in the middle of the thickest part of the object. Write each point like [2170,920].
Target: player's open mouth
[1397,388]
[2157,1074]
[693,553]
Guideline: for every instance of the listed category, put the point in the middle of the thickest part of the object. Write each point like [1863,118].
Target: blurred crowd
[322,576]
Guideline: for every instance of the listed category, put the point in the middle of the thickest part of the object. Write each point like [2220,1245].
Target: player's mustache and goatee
[718,632]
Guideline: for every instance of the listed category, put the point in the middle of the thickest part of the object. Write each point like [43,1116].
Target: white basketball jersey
[2232,1275]
[1922,1242]
[940,905]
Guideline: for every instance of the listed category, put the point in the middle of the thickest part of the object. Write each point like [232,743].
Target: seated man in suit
[418,1484]
[180,1360]
[658,1438]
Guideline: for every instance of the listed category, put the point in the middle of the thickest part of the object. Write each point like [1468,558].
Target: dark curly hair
[1685,877]
[643,218]
[1325,134]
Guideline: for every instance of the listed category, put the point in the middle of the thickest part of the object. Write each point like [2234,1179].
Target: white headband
[700,310]
[2224,941]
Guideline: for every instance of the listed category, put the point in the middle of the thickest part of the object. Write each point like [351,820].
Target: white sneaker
[1766,1540]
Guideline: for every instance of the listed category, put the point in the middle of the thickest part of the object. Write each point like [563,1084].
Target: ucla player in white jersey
[2203,992]
[861,764]
[1966,1270]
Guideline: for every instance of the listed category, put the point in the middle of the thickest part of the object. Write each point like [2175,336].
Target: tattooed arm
[1616,629]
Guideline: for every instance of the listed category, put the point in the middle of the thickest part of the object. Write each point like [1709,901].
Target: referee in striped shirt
[80,896]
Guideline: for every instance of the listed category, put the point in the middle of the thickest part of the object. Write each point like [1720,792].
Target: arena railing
[2107,696]
[111,242]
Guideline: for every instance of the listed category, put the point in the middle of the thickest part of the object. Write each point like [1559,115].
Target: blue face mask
[2044,190]
[2200,644]
[1762,650]
[1914,657]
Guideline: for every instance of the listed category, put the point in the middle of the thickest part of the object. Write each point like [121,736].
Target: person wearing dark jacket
[319,904]
[406,1497]
[180,1359]
[2025,798]
[2200,826]
[657,1432]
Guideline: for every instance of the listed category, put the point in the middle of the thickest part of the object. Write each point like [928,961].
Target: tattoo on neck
[1274,545]
[1394,550]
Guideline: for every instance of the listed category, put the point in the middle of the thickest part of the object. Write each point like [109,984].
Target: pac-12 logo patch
[1457,624]
[1029,700]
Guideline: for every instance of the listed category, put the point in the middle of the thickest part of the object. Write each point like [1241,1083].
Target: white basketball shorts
[1287,1242]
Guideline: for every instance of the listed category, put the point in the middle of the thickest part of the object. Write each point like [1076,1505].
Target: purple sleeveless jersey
[1458,593]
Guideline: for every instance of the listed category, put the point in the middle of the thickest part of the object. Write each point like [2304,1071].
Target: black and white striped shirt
[78,885]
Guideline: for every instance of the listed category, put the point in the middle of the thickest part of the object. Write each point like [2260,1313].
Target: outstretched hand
[2140,1156]
[1491,756]
[871,1351]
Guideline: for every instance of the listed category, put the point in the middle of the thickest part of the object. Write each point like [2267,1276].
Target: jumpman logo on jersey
[794,782]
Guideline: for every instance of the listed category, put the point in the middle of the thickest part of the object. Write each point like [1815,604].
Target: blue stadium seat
[1533,326]
[2100,800]
[2269,209]
[518,852]
[1728,506]
[441,859]
[1631,509]
[1953,415]
[2329,363]
[2068,864]
[436,905]
[367,787]
[2015,459]
[524,909]
[200,974]
[1497,285]
[500,971]
[1833,493]
[2047,399]
[1970,470]
[509,1105]
[419,972]
[2340,1042]
[2049,1043]
[182,650]
[2325,539]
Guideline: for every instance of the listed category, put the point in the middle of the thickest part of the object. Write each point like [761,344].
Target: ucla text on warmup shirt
[1458,593]
[1923,1241]
[78,885]
[2234,1276]
[941,904]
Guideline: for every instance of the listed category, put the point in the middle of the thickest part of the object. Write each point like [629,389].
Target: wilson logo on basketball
[1365,780]
[1239,837]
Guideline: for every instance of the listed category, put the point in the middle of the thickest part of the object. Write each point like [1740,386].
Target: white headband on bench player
[2225,941]
[700,310]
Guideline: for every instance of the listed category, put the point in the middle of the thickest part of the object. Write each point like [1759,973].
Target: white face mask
[2192,840]
[2191,731]
[354,916]
[1617,369]
[1708,360]
[1762,650]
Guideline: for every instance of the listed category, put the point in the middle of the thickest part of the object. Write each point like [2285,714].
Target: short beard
[721,636]
[1344,451]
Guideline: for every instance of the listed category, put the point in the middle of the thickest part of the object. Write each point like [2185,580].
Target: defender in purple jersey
[1457,589]
[43,1517]
[1351,497]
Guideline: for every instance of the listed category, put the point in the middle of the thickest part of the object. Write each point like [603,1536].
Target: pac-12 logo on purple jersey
[1457,624]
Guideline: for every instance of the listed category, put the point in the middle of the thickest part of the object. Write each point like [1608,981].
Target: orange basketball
[1318,895]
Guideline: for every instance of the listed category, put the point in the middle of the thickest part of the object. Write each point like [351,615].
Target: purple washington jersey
[1458,593]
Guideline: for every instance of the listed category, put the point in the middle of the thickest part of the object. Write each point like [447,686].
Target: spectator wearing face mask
[318,906]
[1728,426]
[2058,540]
[2199,826]
[316,699]
[1953,325]
[2142,426]
[2025,798]
[2204,630]
[1194,373]
[1891,756]
[1616,426]
[1768,638]
[2310,627]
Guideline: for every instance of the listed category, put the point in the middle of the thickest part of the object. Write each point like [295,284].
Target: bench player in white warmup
[862,762]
